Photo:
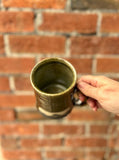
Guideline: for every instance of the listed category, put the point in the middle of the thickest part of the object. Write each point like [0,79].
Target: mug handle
[75,97]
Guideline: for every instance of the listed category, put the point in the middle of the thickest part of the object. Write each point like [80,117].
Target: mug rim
[57,59]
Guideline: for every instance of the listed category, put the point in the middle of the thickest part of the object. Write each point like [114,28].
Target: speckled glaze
[53,80]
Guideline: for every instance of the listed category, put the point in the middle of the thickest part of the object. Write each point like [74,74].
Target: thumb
[88,89]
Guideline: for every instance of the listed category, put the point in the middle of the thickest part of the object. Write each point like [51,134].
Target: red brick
[23,83]
[7,115]
[9,143]
[30,115]
[99,129]
[94,45]
[110,23]
[19,129]
[38,143]
[17,100]
[16,21]
[88,115]
[65,129]
[56,4]
[108,65]
[86,142]
[65,154]
[37,44]
[82,65]
[22,155]
[92,5]
[113,142]
[16,65]
[98,155]
[69,22]
[4,84]
[1,45]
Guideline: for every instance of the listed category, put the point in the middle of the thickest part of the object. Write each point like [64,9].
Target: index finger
[95,81]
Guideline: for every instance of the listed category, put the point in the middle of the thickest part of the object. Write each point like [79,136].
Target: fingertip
[82,97]
[95,109]
[92,103]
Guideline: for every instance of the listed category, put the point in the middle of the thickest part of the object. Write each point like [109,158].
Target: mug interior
[53,76]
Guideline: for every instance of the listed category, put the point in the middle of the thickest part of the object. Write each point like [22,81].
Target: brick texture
[98,154]
[1,44]
[82,65]
[92,4]
[86,142]
[9,143]
[67,22]
[65,154]
[19,129]
[56,4]
[22,83]
[94,45]
[110,23]
[22,155]
[4,81]
[107,65]
[99,129]
[70,155]
[29,115]
[16,21]
[16,100]
[37,44]
[65,129]
[10,115]
[88,115]
[16,65]
[37,143]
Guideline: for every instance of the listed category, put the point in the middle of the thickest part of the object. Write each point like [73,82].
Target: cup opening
[53,76]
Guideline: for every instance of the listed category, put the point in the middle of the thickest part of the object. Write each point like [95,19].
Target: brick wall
[85,32]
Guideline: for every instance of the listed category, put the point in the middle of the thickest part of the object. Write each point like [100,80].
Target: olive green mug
[54,83]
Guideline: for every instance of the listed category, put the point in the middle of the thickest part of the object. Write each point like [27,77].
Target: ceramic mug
[54,83]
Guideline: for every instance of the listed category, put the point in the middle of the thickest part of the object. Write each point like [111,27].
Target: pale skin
[100,92]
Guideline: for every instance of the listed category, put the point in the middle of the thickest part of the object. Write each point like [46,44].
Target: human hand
[101,92]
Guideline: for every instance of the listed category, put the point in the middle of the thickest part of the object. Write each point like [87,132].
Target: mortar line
[7,49]
[12,84]
[38,21]
[82,56]
[23,92]
[99,23]
[68,6]
[59,10]
[1,4]
[67,47]
[108,150]
[59,33]
[94,65]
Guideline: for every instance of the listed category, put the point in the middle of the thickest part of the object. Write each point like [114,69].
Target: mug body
[53,80]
